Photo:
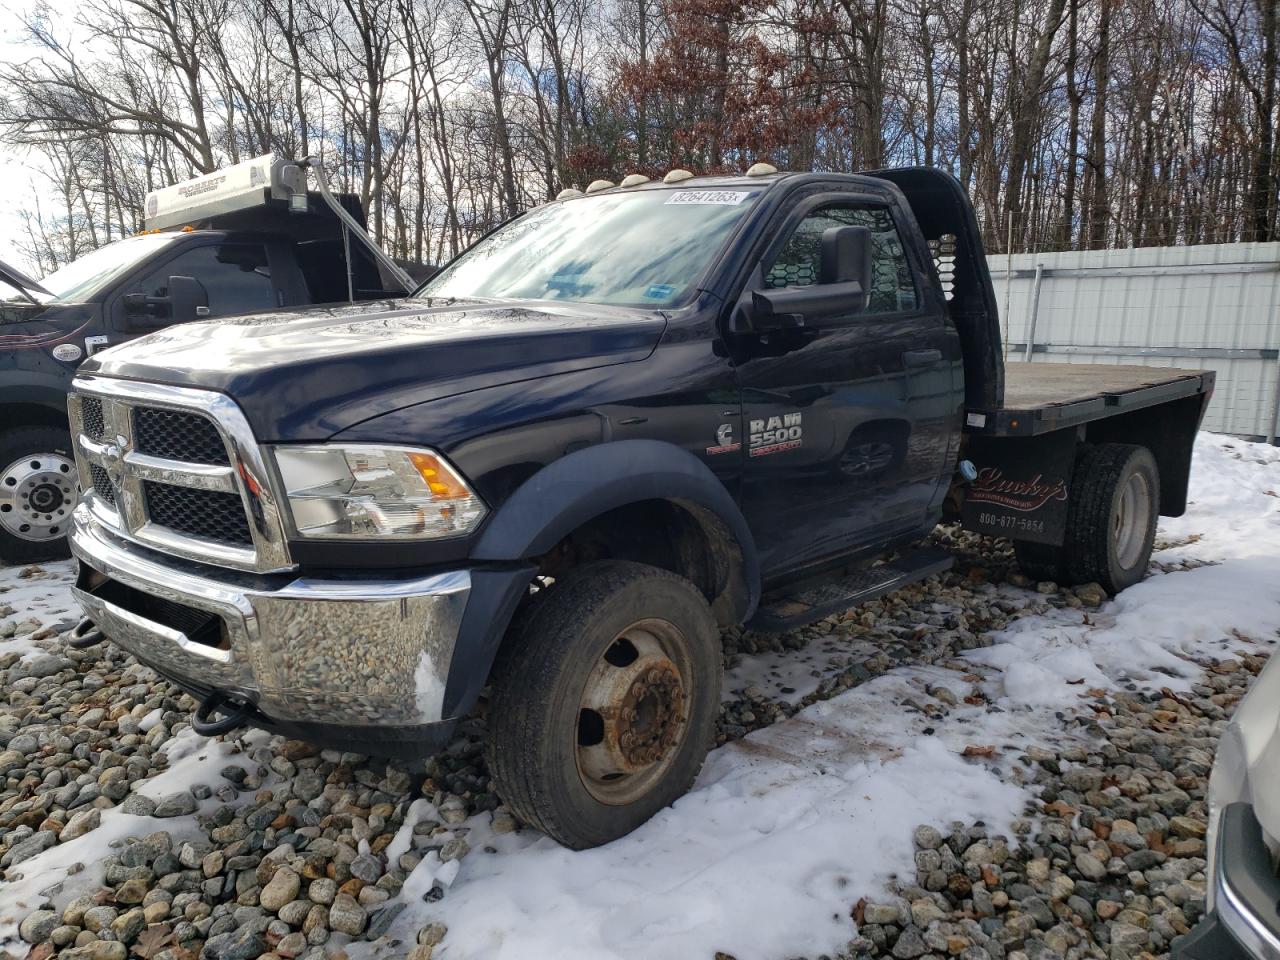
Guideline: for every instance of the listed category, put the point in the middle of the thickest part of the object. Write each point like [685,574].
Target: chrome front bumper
[1243,923]
[339,653]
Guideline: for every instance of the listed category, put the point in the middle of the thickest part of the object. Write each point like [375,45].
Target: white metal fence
[1213,307]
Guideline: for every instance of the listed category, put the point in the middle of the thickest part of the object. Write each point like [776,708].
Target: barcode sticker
[718,197]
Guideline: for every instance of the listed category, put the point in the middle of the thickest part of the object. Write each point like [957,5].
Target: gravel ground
[296,852]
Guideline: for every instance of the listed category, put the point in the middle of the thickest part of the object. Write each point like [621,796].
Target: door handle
[921,358]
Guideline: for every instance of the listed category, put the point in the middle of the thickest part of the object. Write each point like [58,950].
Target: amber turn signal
[441,480]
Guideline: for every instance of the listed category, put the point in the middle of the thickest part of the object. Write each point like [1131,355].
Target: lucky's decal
[992,486]
[724,440]
[775,434]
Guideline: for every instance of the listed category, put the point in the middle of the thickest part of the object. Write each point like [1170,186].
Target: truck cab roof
[729,181]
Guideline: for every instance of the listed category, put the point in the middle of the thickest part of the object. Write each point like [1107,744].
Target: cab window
[237,277]
[892,286]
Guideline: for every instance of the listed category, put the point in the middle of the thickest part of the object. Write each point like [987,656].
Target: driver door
[236,276]
[838,431]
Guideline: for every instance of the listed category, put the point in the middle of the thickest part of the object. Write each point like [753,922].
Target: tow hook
[237,715]
[84,634]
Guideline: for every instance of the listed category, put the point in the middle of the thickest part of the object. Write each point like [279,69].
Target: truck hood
[310,373]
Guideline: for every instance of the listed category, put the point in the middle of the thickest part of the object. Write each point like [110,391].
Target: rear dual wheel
[1111,521]
[604,701]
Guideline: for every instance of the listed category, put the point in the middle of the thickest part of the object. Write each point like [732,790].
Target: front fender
[31,388]
[553,503]
[578,487]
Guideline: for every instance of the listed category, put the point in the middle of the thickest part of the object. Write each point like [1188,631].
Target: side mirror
[845,257]
[813,306]
[844,275]
[188,299]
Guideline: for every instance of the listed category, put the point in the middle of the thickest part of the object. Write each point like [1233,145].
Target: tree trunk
[1027,113]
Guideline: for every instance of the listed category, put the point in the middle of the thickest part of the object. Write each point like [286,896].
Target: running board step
[815,603]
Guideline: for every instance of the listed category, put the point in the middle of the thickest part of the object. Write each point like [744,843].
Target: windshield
[642,249]
[82,278]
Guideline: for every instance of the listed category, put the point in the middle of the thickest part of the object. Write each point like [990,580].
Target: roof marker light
[676,175]
[761,170]
[633,180]
[568,193]
[595,186]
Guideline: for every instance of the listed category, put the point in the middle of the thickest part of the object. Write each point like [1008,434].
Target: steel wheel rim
[633,712]
[1132,517]
[868,458]
[37,495]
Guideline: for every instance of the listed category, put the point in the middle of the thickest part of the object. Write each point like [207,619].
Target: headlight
[367,492]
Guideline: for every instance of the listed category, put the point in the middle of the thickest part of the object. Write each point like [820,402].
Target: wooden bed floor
[1029,385]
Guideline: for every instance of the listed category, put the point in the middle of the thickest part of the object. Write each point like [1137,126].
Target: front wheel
[604,701]
[38,490]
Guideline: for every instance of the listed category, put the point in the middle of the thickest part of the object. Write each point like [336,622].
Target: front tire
[604,701]
[38,491]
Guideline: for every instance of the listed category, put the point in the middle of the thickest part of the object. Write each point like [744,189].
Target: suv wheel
[38,490]
[604,701]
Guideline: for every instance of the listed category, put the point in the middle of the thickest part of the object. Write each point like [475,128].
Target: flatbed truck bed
[1042,397]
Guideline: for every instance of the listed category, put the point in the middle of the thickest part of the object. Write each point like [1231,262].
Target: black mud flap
[1022,488]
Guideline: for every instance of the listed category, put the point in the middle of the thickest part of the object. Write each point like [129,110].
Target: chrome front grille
[91,413]
[102,484]
[178,470]
[177,435]
[207,514]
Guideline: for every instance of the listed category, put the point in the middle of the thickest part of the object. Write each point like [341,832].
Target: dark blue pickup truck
[220,245]
[623,421]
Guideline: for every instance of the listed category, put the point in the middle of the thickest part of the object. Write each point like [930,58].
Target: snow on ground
[191,759]
[40,594]
[786,829]
[1149,631]
[763,858]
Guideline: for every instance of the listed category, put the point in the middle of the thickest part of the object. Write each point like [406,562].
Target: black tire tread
[526,671]
[1098,470]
